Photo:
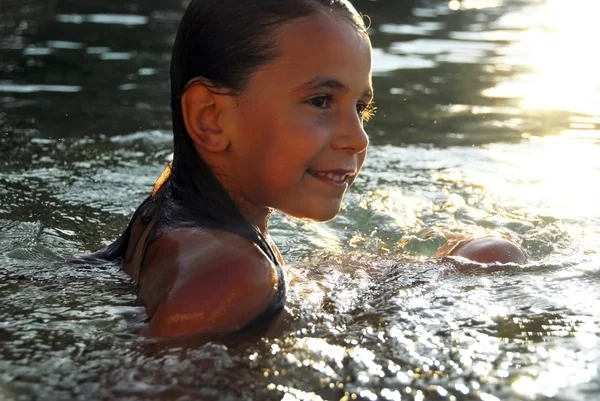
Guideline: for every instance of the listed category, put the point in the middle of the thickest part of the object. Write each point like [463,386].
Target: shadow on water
[463,141]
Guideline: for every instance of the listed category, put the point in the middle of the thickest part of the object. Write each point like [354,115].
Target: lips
[337,178]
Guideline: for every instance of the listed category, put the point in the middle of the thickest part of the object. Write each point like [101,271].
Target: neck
[259,216]
[255,214]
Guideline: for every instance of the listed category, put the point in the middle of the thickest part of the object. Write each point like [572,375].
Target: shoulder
[205,281]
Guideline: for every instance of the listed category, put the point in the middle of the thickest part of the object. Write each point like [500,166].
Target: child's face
[297,137]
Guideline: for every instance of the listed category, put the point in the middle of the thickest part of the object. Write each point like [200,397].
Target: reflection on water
[38,88]
[563,66]
[103,19]
[488,122]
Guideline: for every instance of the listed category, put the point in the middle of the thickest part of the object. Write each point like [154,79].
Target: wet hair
[221,42]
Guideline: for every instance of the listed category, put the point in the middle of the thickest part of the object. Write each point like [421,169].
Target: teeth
[332,177]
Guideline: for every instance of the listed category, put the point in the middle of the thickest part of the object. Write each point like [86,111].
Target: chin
[323,218]
[319,214]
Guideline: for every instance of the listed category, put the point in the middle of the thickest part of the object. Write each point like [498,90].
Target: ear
[201,117]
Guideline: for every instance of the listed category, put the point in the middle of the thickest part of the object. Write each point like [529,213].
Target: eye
[366,110]
[321,101]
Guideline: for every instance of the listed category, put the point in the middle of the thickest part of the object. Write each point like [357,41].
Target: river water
[488,123]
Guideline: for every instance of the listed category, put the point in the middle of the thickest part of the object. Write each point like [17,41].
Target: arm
[487,249]
[490,250]
[204,282]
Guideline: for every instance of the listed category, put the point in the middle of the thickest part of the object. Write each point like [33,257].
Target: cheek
[281,166]
[286,160]
[280,144]
[296,141]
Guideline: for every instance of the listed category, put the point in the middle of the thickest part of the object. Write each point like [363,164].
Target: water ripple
[15,88]
[117,19]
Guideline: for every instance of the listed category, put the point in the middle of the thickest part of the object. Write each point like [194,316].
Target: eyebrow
[333,84]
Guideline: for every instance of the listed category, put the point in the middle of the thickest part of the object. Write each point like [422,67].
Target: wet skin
[202,281]
[491,250]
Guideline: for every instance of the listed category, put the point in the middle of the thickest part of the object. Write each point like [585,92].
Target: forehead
[321,45]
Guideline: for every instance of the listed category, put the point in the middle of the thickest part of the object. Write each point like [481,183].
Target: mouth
[335,178]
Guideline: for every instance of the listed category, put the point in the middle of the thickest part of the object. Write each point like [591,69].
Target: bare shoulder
[204,281]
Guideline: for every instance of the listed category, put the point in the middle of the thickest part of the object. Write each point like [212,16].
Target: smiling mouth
[334,178]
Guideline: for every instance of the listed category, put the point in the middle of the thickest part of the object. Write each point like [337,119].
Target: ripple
[507,90]
[488,36]
[97,49]
[65,44]
[15,88]
[128,86]
[523,19]
[151,136]
[117,19]
[464,108]
[443,50]
[17,234]
[385,62]
[116,56]
[437,46]
[146,71]
[36,51]
[421,29]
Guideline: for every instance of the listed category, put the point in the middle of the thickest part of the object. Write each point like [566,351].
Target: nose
[350,135]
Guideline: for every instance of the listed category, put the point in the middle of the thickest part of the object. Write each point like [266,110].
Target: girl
[268,103]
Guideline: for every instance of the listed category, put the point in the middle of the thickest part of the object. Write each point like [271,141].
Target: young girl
[268,102]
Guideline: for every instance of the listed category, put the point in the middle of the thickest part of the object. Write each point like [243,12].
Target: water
[488,122]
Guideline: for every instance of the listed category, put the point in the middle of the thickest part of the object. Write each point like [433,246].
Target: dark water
[488,122]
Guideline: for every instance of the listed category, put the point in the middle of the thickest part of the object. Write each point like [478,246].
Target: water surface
[488,123]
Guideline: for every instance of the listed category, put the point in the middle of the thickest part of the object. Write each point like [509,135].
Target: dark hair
[222,42]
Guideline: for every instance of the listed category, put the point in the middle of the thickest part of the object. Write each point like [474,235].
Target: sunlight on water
[455,5]
[384,62]
[567,65]
[103,19]
[547,383]
[564,62]
[402,208]
[38,88]
[554,174]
